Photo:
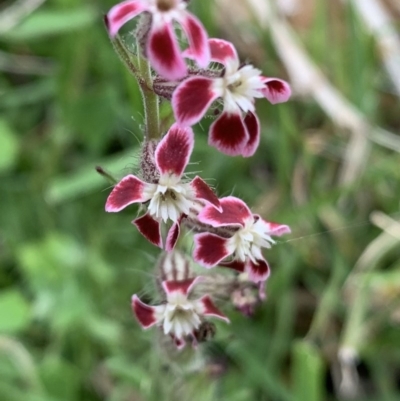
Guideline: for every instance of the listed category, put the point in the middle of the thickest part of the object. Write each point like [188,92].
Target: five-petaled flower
[162,48]
[240,249]
[237,130]
[170,198]
[180,317]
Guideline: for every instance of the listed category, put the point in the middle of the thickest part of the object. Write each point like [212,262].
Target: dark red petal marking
[122,13]
[274,228]
[228,134]
[197,35]
[257,271]
[145,314]
[204,192]
[235,265]
[164,53]
[276,90]
[173,235]
[179,342]
[150,229]
[173,152]
[222,51]
[234,213]
[253,129]
[209,309]
[209,249]
[279,229]
[192,98]
[128,190]
[183,286]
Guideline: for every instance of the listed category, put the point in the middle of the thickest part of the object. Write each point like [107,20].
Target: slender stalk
[150,100]
[126,58]
[112,180]
[142,72]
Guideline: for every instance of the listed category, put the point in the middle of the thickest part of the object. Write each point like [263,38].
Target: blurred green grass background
[68,269]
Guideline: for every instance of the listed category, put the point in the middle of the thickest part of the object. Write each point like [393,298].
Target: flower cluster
[204,74]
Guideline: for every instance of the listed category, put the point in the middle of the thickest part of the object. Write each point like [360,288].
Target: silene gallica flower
[237,130]
[244,233]
[168,197]
[180,317]
[162,48]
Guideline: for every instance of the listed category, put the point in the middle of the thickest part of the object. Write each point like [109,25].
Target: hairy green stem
[125,57]
[150,100]
[142,72]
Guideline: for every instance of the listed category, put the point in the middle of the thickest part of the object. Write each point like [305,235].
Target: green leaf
[8,146]
[60,378]
[15,311]
[49,262]
[307,372]
[44,23]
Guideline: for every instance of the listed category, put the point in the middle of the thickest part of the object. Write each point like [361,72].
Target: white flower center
[165,11]
[240,87]
[180,317]
[247,242]
[170,199]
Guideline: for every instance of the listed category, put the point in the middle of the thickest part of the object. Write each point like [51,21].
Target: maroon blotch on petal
[257,271]
[145,314]
[179,342]
[173,152]
[173,235]
[198,44]
[192,98]
[222,51]
[209,309]
[209,249]
[253,129]
[204,192]
[128,190]
[164,53]
[183,286]
[234,213]
[279,229]
[122,13]
[150,229]
[276,90]
[228,134]
[276,229]
[237,265]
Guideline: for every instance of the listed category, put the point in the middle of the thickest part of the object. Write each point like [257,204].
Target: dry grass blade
[382,244]
[12,15]
[18,64]
[386,223]
[307,79]
[381,26]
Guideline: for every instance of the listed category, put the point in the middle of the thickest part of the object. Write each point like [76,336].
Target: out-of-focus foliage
[68,269]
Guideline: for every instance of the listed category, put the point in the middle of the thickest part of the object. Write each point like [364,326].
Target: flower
[237,130]
[180,317]
[162,47]
[170,198]
[248,233]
